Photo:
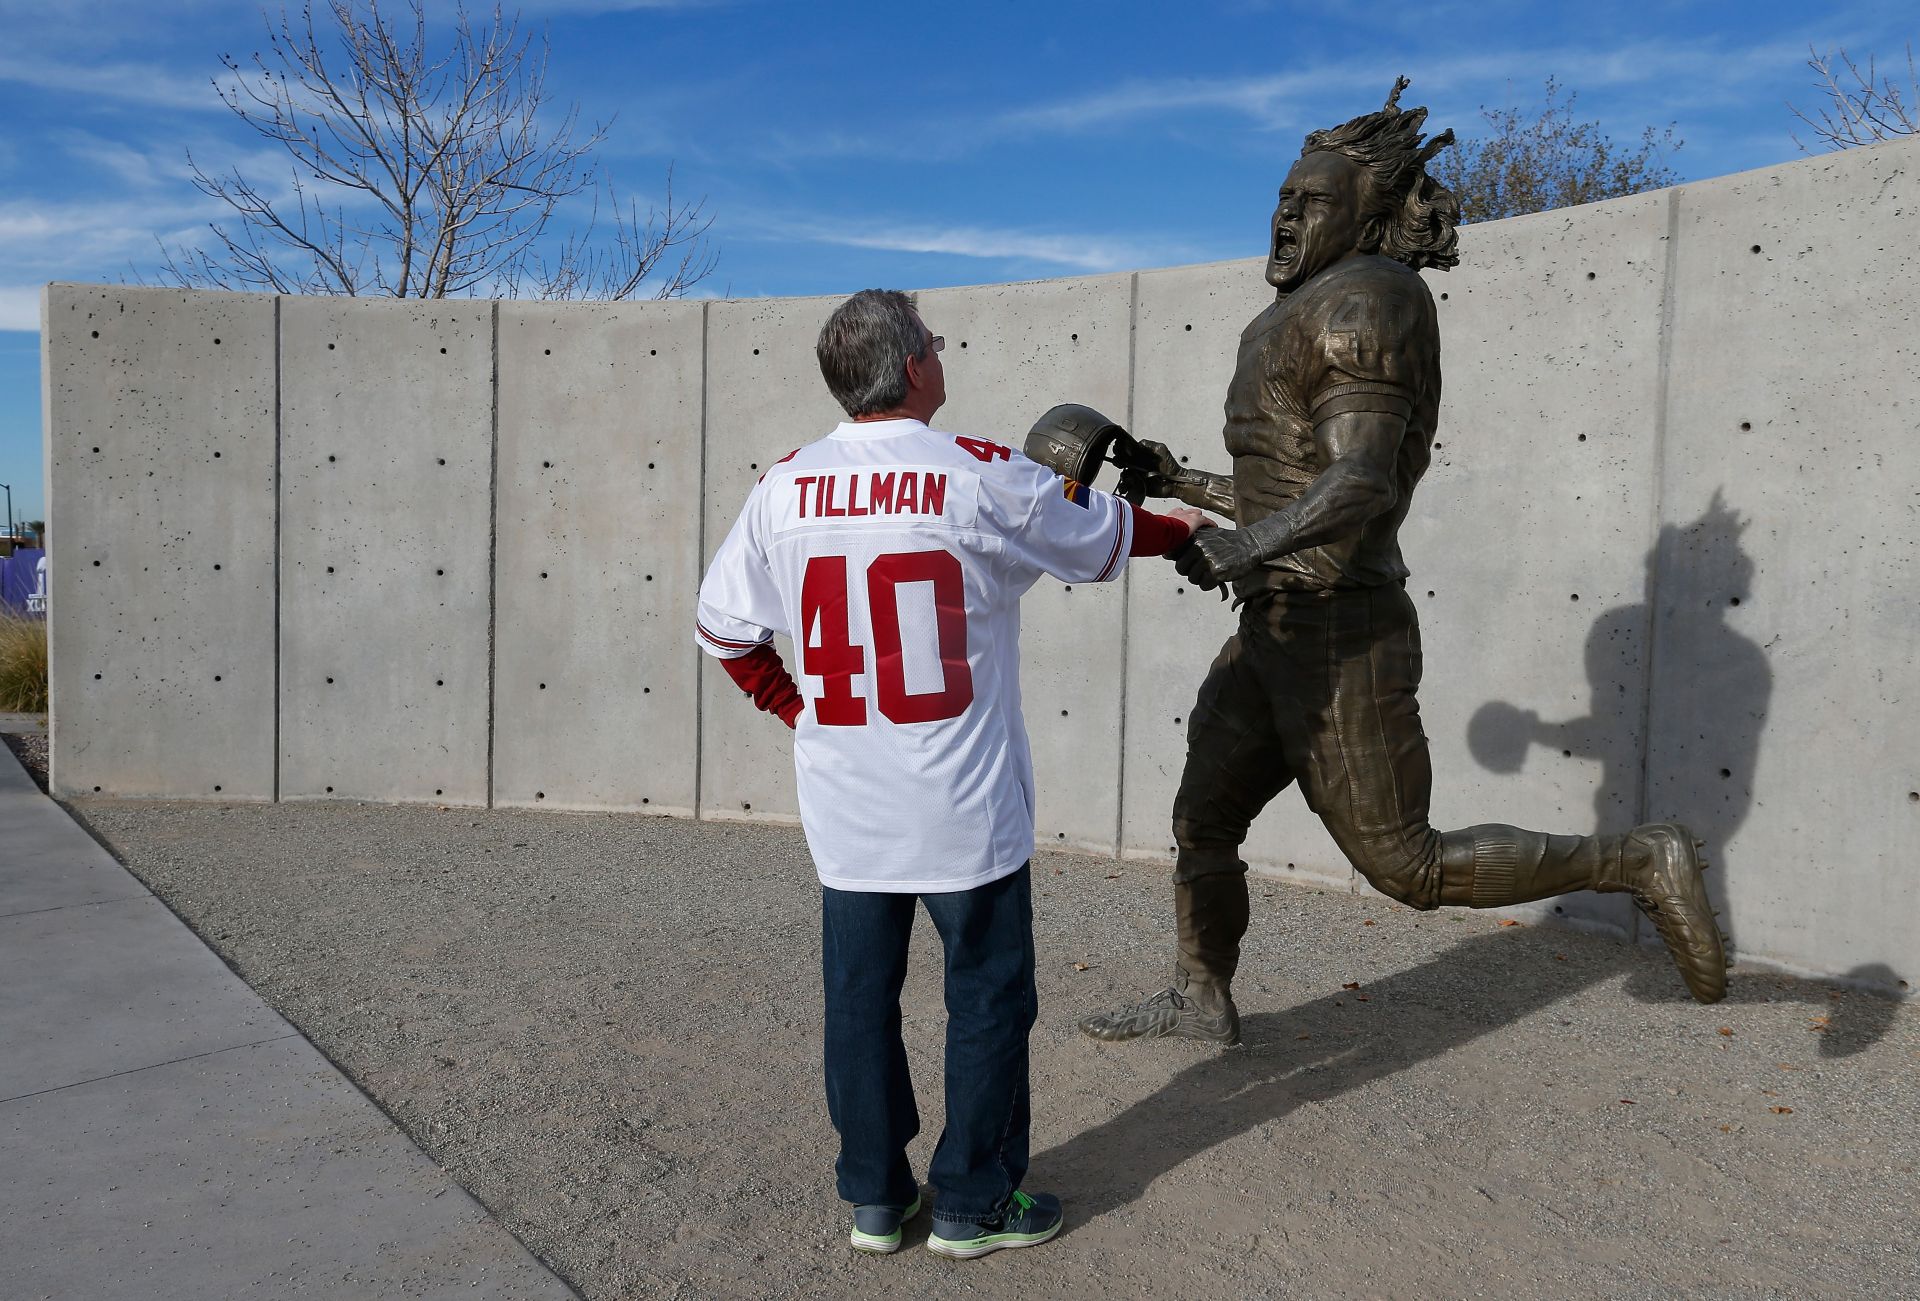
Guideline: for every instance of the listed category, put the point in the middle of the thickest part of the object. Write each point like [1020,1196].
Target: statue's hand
[1149,468]
[1213,557]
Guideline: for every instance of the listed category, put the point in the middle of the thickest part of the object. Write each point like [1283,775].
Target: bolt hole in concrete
[1746,426]
[649,465]
[443,351]
[1075,338]
[96,564]
[1574,597]
[96,677]
[216,789]
[543,686]
[439,682]
[1063,713]
[1583,438]
[443,460]
[329,790]
[1756,248]
[653,352]
[329,681]
[1429,593]
[329,569]
[543,573]
[1443,298]
[96,451]
[439,573]
[746,807]
[646,691]
[547,352]
[216,568]
[329,458]
[329,349]
[216,456]
[539,795]
[1589,276]
[438,791]
[1726,772]
[216,677]
[1733,600]
[1189,329]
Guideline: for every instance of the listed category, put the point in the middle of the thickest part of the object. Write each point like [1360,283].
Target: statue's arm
[1359,449]
[1160,474]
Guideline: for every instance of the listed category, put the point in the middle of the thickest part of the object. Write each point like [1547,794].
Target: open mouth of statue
[1285,246]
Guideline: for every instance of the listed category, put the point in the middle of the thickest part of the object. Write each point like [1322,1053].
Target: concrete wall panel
[386,499]
[598,561]
[160,464]
[1012,352]
[1788,645]
[1529,537]
[764,398]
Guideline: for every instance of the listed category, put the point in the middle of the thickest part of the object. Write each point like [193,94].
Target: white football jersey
[895,556]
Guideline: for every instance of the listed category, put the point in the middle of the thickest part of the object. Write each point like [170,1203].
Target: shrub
[23,665]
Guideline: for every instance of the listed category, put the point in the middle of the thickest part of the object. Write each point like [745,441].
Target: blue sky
[841,145]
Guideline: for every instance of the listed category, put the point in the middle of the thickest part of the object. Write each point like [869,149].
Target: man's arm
[1359,449]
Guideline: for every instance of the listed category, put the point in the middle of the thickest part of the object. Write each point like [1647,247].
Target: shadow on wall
[1326,1047]
[1696,646]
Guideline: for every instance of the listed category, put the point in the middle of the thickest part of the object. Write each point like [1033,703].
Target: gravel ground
[31,749]
[606,1028]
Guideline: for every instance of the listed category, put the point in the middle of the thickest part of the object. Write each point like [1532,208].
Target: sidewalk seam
[62,907]
[190,1057]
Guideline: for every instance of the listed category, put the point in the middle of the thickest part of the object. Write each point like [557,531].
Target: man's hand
[1193,519]
[1216,556]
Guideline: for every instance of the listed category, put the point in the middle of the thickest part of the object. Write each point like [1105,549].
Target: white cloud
[20,308]
[138,83]
[1076,251]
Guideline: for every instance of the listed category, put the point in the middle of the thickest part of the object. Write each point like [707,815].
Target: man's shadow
[1697,573]
[1319,1050]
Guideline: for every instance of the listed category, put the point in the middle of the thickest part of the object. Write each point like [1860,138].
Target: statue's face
[1317,221]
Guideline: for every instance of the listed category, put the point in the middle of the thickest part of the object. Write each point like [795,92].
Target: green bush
[23,665]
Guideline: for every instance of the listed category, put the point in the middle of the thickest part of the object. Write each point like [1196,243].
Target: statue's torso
[1365,321]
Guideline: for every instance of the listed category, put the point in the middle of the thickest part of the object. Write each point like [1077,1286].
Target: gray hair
[863,350]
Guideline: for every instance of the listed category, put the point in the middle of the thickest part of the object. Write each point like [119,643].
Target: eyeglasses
[937,342]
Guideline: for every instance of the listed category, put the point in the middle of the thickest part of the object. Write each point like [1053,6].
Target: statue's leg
[1234,768]
[1369,777]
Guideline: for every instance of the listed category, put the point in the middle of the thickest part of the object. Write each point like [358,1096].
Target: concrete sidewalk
[165,1133]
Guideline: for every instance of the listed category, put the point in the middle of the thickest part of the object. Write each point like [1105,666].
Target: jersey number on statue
[827,651]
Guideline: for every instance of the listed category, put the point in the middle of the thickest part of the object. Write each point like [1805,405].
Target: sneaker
[1667,888]
[1168,1014]
[1026,1221]
[877,1228]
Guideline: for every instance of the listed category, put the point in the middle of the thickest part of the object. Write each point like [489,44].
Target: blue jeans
[991,1005]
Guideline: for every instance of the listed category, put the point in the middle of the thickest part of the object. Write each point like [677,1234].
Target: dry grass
[23,665]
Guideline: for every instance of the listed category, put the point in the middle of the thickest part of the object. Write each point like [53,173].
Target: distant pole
[9,488]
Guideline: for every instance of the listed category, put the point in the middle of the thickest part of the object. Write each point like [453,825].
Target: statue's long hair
[1419,214]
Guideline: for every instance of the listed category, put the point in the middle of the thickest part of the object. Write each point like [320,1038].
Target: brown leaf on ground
[1559,957]
[1726,1129]
[1726,1030]
[1113,876]
[1628,1102]
[1782,1111]
[1819,1024]
[1083,966]
[1367,922]
[1351,984]
[1508,921]
[1303,1036]
[1361,998]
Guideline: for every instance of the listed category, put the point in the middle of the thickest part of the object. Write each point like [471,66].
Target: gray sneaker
[1170,1013]
[1027,1221]
[877,1228]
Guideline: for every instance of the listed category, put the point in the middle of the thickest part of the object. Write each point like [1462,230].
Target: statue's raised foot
[1667,887]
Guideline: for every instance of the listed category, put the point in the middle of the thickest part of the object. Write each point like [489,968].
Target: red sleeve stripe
[723,643]
[1119,547]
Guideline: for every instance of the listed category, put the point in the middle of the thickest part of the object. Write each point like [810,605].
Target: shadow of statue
[1316,1051]
[1709,738]
[1850,1013]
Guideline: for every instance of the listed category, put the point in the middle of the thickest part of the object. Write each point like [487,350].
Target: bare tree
[1533,162]
[1862,106]
[426,175]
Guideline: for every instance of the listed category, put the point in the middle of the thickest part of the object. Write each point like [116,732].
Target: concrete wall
[1665,557]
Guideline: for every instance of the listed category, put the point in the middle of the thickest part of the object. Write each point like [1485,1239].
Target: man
[1330,421]
[895,556]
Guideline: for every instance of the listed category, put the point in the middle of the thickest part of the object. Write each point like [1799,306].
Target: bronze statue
[1330,423]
